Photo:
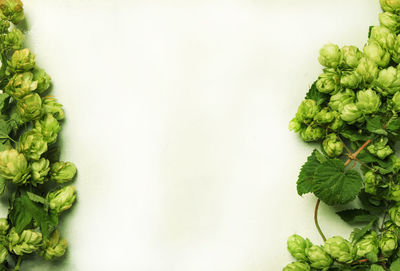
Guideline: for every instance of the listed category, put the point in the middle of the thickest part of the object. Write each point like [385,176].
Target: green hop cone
[328,81]
[340,249]
[332,145]
[371,181]
[340,99]
[395,162]
[350,79]
[390,5]
[28,242]
[318,258]
[337,122]
[295,125]
[13,165]
[32,144]
[324,116]
[4,26]
[394,213]
[62,199]
[350,113]
[383,36]
[390,21]
[380,148]
[54,246]
[396,101]
[4,226]
[330,56]
[43,80]
[368,101]
[388,80]
[50,106]
[367,69]
[351,56]
[367,247]
[13,10]
[376,53]
[388,243]
[312,133]
[62,172]
[39,171]
[297,266]
[297,245]
[394,192]
[21,84]
[14,39]
[395,52]
[30,107]
[21,61]
[3,253]
[307,110]
[48,127]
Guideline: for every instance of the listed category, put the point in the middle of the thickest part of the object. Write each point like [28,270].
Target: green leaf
[306,176]
[315,95]
[24,210]
[395,266]
[376,267]
[3,97]
[370,30]
[372,207]
[374,125]
[35,198]
[334,185]
[393,125]
[3,185]
[365,157]
[359,233]
[353,216]
[353,134]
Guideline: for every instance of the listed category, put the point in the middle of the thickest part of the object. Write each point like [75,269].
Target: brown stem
[354,155]
[316,220]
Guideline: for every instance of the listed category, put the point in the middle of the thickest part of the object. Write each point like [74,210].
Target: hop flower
[4,226]
[307,110]
[367,69]
[351,56]
[328,81]
[390,5]
[388,80]
[54,246]
[28,242]
[371,181]
[297,266]
[62,172]
[368,101]
[340,249]
[312,133]
[4,26]
[367,247]
[14,39]
[340,99]
[39,170]
[21,60]
[376,53]
[337,122]
[48,128]
[318,257]
[13,165]
[51,106]
[21,84]
[296,245]
[350,79]
[396,101]
[30,107]
[32,144]
[3,253]
[394,192]
[13,10]
[380,149]
[332,145]
[383,36]
[43,80]
[394,213]
[62,199]
[388,243]
[350,113]
[295,125]
[330,56]
[324,116]
[390,21]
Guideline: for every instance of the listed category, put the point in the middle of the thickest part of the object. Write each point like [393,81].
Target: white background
[177,115]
